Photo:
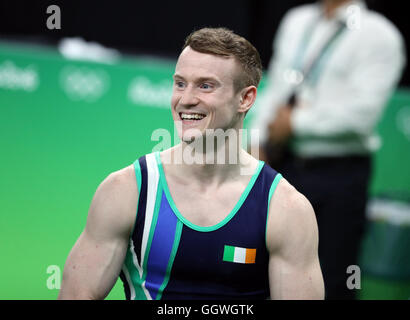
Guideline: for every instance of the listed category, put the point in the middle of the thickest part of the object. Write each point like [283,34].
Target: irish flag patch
[239,255]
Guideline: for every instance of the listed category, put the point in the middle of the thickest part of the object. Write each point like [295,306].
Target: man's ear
[247,98]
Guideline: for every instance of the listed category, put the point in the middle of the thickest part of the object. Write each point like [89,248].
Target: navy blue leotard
[169,257]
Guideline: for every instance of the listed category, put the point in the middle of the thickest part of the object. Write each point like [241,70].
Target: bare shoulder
[291,218]
[287,198]
[123,178]
[118,186]
[114,203]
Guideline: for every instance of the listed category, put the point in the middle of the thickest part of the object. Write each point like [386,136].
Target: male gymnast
[200,230]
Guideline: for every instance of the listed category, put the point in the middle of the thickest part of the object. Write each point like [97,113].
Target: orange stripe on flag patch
[250,256]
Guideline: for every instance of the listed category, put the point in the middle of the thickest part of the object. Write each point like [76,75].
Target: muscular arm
[292,240]
[95,261]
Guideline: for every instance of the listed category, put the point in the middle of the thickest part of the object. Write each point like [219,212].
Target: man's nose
[189,97]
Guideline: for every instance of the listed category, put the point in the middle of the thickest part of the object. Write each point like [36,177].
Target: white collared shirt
[339,107]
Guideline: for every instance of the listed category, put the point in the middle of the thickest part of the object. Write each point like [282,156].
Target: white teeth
[186,116]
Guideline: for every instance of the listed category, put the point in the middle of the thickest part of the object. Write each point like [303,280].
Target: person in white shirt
[335,65]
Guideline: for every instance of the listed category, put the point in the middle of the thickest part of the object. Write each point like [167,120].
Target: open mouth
[191,116]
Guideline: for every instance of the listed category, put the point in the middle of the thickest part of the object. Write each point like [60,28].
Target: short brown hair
[224,42]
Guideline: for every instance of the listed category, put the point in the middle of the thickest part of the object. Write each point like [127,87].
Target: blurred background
[81,101]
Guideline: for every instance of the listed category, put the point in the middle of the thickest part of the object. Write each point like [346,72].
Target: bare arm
[292,240]
[95,261]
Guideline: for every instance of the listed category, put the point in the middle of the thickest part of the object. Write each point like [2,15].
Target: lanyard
[309,69]
[307,35]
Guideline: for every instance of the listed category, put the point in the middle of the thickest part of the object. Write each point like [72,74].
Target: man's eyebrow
[200,79]
[204,79]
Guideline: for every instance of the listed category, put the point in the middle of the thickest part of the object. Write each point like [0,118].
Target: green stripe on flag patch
[229,252]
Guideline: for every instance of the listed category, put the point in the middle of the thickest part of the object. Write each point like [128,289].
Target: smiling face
[204,96]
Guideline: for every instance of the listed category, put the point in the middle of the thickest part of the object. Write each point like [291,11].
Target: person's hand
[280,128]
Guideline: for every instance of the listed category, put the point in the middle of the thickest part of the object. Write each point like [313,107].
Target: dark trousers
[337,189]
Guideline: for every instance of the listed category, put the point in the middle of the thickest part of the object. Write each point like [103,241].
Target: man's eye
[206,86]
[179,84]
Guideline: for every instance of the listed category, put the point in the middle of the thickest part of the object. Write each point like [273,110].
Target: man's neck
[330,7]
[217,161]
[213,167]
